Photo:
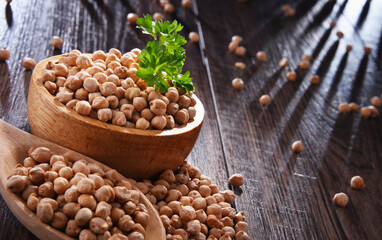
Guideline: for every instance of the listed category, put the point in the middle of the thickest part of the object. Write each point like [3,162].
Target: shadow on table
[9,15]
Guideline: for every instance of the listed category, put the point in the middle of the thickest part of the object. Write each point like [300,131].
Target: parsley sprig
[164,57]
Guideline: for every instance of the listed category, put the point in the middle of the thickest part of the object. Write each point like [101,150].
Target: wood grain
[285,196]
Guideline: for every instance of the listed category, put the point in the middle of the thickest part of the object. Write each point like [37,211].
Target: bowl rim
[187,127]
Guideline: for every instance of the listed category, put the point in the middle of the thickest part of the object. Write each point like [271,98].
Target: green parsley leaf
[163,58]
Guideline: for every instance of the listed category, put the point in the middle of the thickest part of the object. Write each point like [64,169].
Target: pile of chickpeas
[191,207]
[79,198]
[105,86]
[87,202]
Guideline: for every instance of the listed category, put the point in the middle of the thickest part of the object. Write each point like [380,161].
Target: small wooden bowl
[139,154]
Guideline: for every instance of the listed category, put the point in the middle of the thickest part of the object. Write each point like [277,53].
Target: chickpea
[116,52]
[125,223]
[127,61]
[71,194]
[315,79]
[44,212]
[236,180]
[113,101]
[297,146]
[172,108]
[99,103]
[4,54]
[306,57]
[283,62]
[159,122]
[199,203]
[165,210]
[83,61]
[83,107]
[340,34]
[66,172]
[71,209]
[59,220]
[204,190]
[87,201]
[376,101]
[240,51]
[56,42]
[158,107]
[349,47]
[304,64]
[47,76]
[139,103]
[99,55]
[291,76]
[61,70]
[241,235]
[28,190]
[98,225]
[341,199]
[353,107]
[344,107]
[241,226]
[213,222]
[46,190]
[170,122]
[86,185]
[238,83]
[194,37]
[157,16]
[187,213]
[72,228]
[186,3]
[365,112]
[367,50]
[61,185]
[64,96]
[29,162]
[261,56]
[90,84]
[142,124]
[86,234]
[37,175]
[265,99]
[29,63]
[118,118]
[51,87]
[83,216]
[41,154]
[232,46]
[182,116]
[357,182]
[105,193]
[214,209]
[147,114]
[32,202]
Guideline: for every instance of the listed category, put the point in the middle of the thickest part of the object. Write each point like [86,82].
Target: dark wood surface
[286,195]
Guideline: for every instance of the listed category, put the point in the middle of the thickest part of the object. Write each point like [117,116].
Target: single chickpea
[159,122]
[365,112]
[261,56]
[51,87]
[186,3]
[238,83]
[157,16]
[187,213]
[66,172]
[71,209]
[191,112]
[99,55]
[240,65]
[147,114]
[297,146]
[86,185]
[376,101]
[173,195]
[132,93]
[353,107]
[44,212]
[291,76]
[91,84]
[83,61]
[71,194]
[172,108]
[182,116]
[314,79]
[304,64]
[83,216]
[283,62]
[32,202]
[61,185]
[213,221]
[83,107]
[104,115]
[16,183]
[105,193]
[349,47]
[199,203]
[72,228]
[41,154]
[87,201]
[80,167]
[142,218]
[46,190]
[98,225]
[228,195]
[172,94]
[128,110]
[4,54]
[64,96]
[241,235]
[176,221]
[29,63]
[240,51]
[241,226]
[357,182]
[236,180]
[36,175]
[99,103]
[113,101]
[332,24]
[170,122]
[56,42]
[265,99]
[48,75]
[132,18]
[158,107]
[306,57]
[340,34]
[118,118]
[194,227]
[341,199]
[139,103]
[59,220]
[232,46]
[204,190]
[367,50]
[163,2]
[194,37]
[73,83]
[169,8]
[344,107]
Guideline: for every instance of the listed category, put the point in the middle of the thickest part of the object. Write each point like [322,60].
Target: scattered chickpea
[194,37]
[265,99]
[4,54]
[56,42]
[157,16]
[238,83]
[332,24]
[304,64]
[240,51]
[261,56]
[367,49]
[341,199]
[186,3]
[315,79]
[340,34]
[291,76]
[29,63]
[240,65]
[349,47]
[132,18]
[236,180]
[353,107]
[376,101]
[297,146]
[232,46]
[344,107]
[236,39]
[357,182]
[283,62]
[365,112]
[169,8]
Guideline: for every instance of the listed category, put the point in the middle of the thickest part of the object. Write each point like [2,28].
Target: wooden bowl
[135,153]
[14,146]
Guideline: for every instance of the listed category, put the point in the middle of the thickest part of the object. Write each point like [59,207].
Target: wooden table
[286,195]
